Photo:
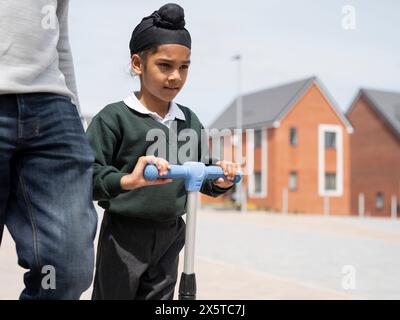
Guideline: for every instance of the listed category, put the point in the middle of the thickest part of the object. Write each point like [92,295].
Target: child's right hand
[136,179]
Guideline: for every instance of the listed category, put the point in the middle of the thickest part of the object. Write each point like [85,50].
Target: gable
[268,107]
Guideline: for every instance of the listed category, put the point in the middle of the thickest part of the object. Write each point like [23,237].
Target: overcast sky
[280,41]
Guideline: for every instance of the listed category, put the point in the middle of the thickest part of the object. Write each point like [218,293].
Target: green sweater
[117,135]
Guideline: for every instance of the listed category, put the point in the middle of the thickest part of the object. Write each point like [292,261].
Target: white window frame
[264,164]
[322,128]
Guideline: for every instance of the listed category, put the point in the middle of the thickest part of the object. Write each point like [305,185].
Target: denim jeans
[46,193]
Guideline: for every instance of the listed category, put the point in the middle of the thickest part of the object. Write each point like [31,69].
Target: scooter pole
[194,174]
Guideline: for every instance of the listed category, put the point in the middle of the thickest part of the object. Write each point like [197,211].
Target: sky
[280,41]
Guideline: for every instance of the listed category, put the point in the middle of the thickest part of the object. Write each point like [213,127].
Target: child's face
[164,73]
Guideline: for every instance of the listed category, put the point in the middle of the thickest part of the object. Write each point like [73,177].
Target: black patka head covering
[164,26]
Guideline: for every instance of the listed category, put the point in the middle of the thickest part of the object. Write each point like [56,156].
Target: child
[142,231]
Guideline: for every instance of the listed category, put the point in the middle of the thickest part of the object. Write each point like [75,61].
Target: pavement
[259,255]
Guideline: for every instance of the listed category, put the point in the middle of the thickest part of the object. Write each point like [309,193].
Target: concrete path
[272,256]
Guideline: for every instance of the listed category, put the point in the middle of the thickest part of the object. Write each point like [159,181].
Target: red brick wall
[311,111]
[375,158]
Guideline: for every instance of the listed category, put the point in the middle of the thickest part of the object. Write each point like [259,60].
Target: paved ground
[271,256]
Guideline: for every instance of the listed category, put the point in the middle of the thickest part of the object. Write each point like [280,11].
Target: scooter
[194,174]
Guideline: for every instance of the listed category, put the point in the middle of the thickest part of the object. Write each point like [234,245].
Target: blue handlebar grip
[150,172]
[215,172]
[175,172]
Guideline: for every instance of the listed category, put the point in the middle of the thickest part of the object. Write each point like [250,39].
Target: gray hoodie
[35,54]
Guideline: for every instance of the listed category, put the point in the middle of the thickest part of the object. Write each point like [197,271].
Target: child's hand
[136,179]
[230,170]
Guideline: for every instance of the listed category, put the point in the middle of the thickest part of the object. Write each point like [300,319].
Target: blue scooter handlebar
[184,172]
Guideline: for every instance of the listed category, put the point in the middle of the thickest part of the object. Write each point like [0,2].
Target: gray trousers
[137,258]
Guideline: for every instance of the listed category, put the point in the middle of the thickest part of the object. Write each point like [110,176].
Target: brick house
[375,153]
[301,149]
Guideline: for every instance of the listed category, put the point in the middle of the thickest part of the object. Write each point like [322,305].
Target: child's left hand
[230,170]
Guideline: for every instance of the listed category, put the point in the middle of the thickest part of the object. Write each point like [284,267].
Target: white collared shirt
[174,111]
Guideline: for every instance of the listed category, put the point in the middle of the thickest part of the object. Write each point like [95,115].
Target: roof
[268,107]
[385,103]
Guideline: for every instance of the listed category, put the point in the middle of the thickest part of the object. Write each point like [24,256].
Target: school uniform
[142,231]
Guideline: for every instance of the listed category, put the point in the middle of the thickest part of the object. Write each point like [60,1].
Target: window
[293,136]
[379,200]
[330,181]
[330,139]
[256,149]
[257,138]
[221,148]
[257,182]
[293,181]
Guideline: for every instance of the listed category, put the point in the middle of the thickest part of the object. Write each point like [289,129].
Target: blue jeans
[46,193]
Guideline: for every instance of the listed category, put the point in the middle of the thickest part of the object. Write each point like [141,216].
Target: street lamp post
[239,124]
